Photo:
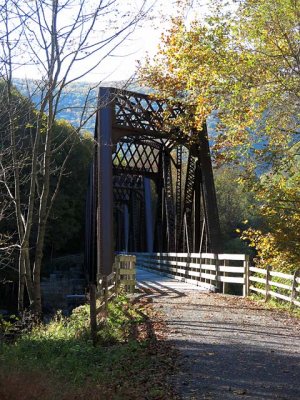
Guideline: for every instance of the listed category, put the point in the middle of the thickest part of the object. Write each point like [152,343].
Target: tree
[234,206]
[65,233]
[278,194]
[64,40]
[243,67]
[66,219]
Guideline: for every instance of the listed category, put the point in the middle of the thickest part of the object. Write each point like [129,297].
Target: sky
[143,41]
[121,65]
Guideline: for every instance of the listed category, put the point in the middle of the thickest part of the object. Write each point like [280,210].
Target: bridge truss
[151,189]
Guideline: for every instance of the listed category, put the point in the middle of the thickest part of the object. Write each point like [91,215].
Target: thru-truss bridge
[151,189]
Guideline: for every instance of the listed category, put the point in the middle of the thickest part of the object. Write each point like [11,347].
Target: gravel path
[229,347]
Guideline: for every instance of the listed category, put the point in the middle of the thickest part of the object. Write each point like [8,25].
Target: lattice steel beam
[178,194]
[141,113]
[135,140]
[187,223]
[169,203]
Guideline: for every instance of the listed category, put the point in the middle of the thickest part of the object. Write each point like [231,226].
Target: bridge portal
[151,186]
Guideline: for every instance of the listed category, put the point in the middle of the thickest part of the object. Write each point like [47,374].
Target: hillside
[73,99]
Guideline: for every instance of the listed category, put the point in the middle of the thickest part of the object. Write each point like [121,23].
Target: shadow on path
[232,371]
[229,347]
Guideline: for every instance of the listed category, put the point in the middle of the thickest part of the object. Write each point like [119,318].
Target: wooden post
[105,290]
[205,270]
[216,258]
[117,275]
[200,268]
[294,287]
[127,272]
[133,275]
[93,313]
[269,268]
[246,277]
[225,284]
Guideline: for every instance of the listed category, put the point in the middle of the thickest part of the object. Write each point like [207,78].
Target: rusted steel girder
[139,160]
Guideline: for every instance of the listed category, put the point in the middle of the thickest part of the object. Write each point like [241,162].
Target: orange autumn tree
[241,64]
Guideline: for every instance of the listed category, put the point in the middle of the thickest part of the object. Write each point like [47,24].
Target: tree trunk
[42,215]
[28,275]
[21,283]
[37,269]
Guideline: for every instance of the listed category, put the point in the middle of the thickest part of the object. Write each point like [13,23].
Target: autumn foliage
[240,64]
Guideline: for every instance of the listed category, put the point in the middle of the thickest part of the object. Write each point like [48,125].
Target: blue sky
[122,63]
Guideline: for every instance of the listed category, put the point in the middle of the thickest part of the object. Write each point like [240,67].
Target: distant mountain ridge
[73,98]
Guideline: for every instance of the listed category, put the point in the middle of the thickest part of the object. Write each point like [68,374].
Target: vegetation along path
[229,347]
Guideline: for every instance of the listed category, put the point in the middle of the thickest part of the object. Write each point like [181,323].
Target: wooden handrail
[207,269]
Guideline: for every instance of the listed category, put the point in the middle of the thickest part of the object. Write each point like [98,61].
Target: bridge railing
[122,277]
[279,285]
[213,271]
[108,287]
[228,273]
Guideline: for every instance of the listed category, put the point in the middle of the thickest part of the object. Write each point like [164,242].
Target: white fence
[214,271]
[218,271]
[275,284]
[123,276]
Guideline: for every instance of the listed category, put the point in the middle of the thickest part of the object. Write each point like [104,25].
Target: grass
[58,360]
[276,304]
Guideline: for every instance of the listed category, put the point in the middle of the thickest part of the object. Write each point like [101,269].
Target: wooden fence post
[105,289]
[225,274]
[294,287]
[117,274]
[268,276]
[216,257]
[246,277]
[93,313]
[127,272]
[200,268]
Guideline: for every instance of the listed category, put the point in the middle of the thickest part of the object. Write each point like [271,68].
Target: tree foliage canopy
[66,220]
[58,41]
[243,67]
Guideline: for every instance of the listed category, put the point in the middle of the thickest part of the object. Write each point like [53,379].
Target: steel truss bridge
[151,188]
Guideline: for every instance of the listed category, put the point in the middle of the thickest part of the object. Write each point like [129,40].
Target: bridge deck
[230,348]
[159,285]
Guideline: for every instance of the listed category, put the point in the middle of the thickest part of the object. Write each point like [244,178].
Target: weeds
[118,368]
[276,304]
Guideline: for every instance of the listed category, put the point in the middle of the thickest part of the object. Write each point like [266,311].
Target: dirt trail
[229,347]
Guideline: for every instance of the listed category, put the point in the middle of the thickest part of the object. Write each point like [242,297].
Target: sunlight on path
[229,347]
[157,285]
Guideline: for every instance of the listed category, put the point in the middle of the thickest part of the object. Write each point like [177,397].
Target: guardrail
[214,271]
[275,284]
[122,277]
[219,271]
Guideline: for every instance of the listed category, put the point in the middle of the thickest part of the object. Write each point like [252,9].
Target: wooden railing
[213,271]
[222,271]
[275,284]
[122,278]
